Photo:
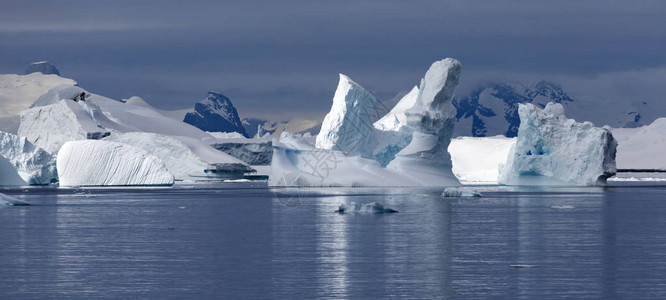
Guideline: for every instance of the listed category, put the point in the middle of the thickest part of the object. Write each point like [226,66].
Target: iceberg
[432,119]
[396,119]
[102,163]
[178,155]
[35,165]
[349,128]
[351,151]
[553,150]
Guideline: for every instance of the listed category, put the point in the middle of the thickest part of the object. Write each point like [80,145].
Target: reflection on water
[242,241]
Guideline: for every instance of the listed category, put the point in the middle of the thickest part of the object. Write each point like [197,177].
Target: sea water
[244,240]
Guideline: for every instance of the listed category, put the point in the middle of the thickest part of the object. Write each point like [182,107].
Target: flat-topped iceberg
[102,163]
[185,158]
[553,150]
[358,147]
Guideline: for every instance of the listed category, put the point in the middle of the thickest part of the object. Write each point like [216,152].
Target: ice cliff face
[552,149]
[43,67]
[348,127]
[216,114]
[33,164]
[102,163]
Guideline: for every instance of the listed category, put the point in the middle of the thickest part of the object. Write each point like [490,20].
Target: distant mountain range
[492,109]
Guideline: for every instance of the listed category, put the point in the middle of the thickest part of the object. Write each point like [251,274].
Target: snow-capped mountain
[216,113]
[492,109]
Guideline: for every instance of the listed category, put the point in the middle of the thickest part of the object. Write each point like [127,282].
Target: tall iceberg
[102,163]
[432,119]
[358,147]
[553,150]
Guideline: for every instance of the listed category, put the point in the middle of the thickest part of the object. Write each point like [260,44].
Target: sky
[280,59]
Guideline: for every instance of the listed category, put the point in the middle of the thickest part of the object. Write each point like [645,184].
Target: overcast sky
[281,59]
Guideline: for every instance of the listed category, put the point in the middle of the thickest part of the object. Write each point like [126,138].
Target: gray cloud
[282,57]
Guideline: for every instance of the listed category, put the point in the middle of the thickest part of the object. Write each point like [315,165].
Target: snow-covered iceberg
[553,150]
[185,158]
[33,164]
[351,150]
[102,163]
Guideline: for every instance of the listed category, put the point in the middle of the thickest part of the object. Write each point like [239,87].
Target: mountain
[492,109]
[216,113]
[43,67]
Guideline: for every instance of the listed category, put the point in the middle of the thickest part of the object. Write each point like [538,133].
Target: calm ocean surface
[243,240]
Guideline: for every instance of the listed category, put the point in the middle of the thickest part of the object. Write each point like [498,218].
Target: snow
[180,158]
[642,148]
[477,159]
[17,92]
[60,116]
[102,163]
[553,150]
[33,164]
[350,151]
[367,208]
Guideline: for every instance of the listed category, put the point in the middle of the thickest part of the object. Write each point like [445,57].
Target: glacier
[34,165]
[351,151]
[553,150]
[102,163]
